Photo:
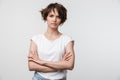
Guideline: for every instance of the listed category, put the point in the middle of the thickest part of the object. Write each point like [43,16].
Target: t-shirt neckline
[54,39]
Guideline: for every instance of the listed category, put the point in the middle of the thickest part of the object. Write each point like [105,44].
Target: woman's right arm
[35,66]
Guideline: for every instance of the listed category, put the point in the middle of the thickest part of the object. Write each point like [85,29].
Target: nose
[54,19]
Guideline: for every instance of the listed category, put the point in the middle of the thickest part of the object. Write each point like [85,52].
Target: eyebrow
[53,14]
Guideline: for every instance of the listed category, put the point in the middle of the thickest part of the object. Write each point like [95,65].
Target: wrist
[42,62]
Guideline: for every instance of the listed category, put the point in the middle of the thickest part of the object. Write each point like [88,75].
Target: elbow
[31,69]
[70,66]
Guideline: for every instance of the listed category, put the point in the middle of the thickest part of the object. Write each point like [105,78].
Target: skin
[52,33]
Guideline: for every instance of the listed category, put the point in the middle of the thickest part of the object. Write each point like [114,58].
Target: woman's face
[53,19]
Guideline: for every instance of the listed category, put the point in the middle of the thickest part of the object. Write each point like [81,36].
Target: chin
[54,27]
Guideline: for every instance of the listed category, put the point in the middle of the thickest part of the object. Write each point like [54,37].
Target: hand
[35,58]
[33,49]
[67,56]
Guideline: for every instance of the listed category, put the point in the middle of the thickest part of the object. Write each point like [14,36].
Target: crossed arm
[36,64]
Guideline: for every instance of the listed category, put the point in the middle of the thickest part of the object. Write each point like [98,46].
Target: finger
[35,57]
[68,57]
[35,53]
[30,54]
[30,59]
[67,54]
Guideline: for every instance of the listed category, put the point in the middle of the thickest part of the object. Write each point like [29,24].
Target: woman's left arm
[67,62]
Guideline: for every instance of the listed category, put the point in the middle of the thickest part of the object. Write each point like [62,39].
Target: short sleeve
[34,39]
[68,39]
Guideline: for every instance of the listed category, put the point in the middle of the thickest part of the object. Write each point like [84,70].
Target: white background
[93,24]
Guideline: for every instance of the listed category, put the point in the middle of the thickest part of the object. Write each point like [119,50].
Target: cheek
[48,20]
[59,20]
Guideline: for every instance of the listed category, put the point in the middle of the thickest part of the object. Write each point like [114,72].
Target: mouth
[53,23]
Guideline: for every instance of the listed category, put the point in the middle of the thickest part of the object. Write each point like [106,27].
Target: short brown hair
[62,11]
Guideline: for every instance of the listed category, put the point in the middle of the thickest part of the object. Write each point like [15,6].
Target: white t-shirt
[52,51]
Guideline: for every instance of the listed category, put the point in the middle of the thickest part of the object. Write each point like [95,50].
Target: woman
[52,53]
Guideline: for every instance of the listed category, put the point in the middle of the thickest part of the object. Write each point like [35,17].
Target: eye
[51,15]
[58,17]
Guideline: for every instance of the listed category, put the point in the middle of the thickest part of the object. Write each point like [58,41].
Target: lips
[53,23]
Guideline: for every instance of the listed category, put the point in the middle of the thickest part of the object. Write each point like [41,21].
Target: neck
[51,32]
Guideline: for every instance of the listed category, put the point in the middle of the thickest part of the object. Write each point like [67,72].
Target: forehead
[54,12]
